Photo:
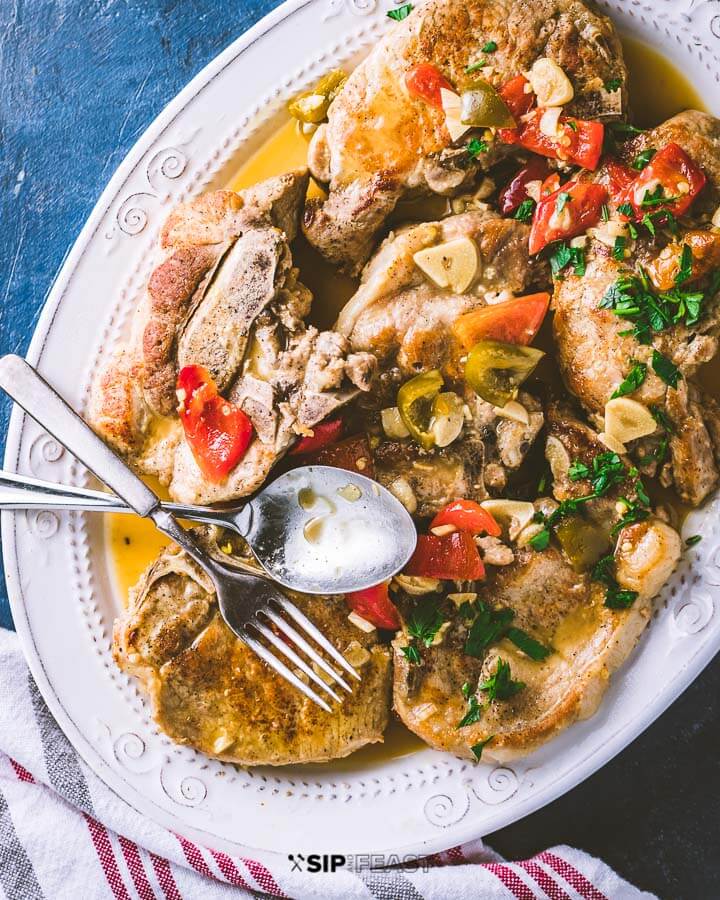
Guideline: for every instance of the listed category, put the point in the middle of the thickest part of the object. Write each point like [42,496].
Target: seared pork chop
[209,691]
[401,316]
[225,296]
[381,142]
[448,698]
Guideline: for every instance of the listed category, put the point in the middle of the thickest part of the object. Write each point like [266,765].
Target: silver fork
[248,604]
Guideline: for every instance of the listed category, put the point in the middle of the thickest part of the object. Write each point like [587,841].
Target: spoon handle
[30,391]
[24,492]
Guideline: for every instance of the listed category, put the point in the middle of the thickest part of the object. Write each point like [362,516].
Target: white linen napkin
[64,834]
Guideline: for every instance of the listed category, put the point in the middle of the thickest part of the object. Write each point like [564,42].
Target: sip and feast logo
[331,862]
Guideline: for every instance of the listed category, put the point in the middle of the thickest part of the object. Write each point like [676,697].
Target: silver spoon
[317,529]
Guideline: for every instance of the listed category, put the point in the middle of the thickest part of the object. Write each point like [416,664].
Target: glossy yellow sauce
[658,90]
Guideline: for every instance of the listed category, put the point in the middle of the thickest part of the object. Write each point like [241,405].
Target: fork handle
[25,492]
[30,391]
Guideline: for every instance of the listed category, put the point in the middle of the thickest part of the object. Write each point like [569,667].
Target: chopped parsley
[626,209]
[529,646]
[563,255]
[474,712]
[540,541]
[412,654]
[475,147]
[490,626]
[500,685]
[425,621]
[619,248]
[615,596]
[634,512]
[607,471]
[692,540]
[402,12]
[477,749]
[666,369]
[524,212]
[489,47]
[423,624]
[473,67]
[632,381]
[613,84]
[686,263]
[656,197]
[632,297]
[605,212]
[643,159]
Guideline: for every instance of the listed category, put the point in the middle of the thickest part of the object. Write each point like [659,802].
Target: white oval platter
[59,581]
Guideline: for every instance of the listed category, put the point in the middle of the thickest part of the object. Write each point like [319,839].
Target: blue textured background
[79,82]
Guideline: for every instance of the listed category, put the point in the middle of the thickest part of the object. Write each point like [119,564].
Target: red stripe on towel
[545,881]
[136,868]
[194,856]
[263,877]
[574,878]
[229,869]
[21,772]
[165,877]
[106,856]
[512,881]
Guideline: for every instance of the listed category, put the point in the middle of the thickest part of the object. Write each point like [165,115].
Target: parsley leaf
[613,84]
[473,67]
[626,209]
[686,263]
[632,382]
[607,470]
[529,646]
[693,539]
[619,248]
[643,158]
[578,471]
[500,685]
[402,12]
[411,654]
[475,147]
[634,513]
[487,628]
[524,212]
[478,748]
[615,596]
[605,212]
[656,197]
[489,47]
[666,369]
[473,714]
[541,540]
[564,254]
[632,297]
[425,621]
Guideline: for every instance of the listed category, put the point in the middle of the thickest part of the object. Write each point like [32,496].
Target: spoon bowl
[324,530]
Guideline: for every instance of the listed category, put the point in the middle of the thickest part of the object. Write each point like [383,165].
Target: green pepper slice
[415,403]
[495,370]
[483,107]
[583,542]
[311,107]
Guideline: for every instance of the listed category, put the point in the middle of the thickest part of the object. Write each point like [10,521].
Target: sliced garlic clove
[550,83]
[402,490]
[511,515]
[392,423]
[460,598]
[612,443]
[356,654]
[514,411]
[550,121]
[361,623]
[453,264]
[452,107]
[416,585]
[626,419]
[448,419]
[716,218]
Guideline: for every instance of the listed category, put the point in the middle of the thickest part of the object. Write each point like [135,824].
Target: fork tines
[293,637]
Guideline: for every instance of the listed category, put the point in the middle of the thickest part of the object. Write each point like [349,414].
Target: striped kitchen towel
[64,834]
